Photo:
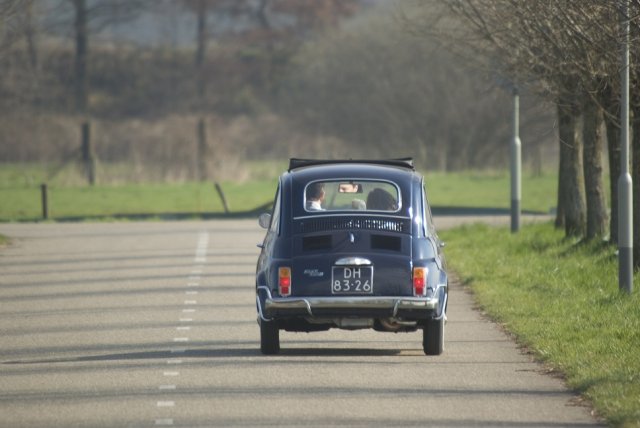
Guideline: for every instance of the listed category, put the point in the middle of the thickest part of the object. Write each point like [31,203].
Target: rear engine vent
[350,223]
[383,242]
[312,243]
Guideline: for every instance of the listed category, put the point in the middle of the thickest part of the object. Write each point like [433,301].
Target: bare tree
[569,52]
[30,29]
[202,9]
[16,23]
[593,136]
[102,12]
[81,38]
[8,12]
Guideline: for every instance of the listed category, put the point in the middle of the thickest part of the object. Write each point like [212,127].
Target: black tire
[433,337]
[269,338]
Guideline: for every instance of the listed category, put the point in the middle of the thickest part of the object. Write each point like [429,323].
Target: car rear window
[351,195]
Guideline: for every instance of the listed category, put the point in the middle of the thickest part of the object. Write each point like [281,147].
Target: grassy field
[491,189]
[569,311]
[20,197]
[20,204]
[70,197]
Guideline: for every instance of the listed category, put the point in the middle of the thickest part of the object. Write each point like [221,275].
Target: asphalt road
[154,324]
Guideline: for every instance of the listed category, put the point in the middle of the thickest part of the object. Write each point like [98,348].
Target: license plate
[352,280]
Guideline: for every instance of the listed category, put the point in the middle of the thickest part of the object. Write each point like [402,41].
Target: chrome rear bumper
[373,306]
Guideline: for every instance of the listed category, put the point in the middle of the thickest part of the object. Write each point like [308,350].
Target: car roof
[295,163]
[396,171]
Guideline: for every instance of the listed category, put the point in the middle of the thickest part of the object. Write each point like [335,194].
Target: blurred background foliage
[270,79]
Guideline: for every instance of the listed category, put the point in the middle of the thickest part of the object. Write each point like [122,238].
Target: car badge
[352,237]
[314,273]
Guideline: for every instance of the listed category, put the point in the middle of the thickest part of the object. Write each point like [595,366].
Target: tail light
[284,281]
[420,281]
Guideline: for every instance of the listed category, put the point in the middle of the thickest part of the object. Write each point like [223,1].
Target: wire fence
[34,202]
[77,185]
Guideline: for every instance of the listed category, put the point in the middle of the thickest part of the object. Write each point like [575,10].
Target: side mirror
[264,220]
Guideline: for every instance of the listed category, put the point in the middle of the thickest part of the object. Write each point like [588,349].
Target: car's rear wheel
[269,337]
[433,337]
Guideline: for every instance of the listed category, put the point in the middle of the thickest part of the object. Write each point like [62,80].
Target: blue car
[351,244]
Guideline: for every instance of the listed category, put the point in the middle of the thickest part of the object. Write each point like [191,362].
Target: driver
[315,197]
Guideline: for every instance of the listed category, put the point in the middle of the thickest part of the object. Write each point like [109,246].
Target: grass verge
[561,300]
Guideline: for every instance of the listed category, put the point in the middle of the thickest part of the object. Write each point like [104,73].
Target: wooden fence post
[45,201]
[222,198]
[203,174]
[87,153]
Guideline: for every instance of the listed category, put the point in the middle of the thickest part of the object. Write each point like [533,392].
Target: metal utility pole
[516,164]
[625,185]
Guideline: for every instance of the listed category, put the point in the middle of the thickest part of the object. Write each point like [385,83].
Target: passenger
[315,197]
[381,200]
[358,204]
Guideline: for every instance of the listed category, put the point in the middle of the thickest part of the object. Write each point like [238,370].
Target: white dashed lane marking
[167,387]
[193,281]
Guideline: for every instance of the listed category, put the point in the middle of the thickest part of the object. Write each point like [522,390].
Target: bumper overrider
[403,307]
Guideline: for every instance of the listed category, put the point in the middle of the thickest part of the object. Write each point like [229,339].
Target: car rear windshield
[351,195]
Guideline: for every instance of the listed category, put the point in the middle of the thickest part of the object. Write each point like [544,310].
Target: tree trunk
[635,177]
[613,144]
[597,215]
[81,55]
[201,49]
[81,87]
[571,173]
[30,36]
[562,166]
[263,19]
